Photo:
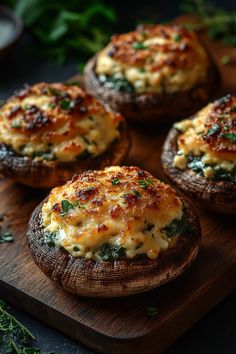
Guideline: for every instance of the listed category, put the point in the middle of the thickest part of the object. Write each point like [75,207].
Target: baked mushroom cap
[199,156]
[155,73]
[113,232]
[49,132]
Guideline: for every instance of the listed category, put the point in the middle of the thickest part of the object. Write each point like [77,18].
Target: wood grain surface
[122,325]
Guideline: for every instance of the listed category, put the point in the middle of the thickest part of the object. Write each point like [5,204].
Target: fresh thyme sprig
[14,336]
[220,23]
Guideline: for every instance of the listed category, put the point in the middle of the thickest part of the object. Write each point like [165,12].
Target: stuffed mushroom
[155,73]
[113,232]
[199,156]
[49,132]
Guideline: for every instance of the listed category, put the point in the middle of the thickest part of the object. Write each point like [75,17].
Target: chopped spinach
[83,156]
[195,163]
[116,84]
[108,252]
[178,227]
[50,238]
[45,155]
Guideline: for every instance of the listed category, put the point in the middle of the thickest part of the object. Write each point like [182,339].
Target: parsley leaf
[67,206]
[230,136]
[115,181]
[139,45]
[67,104]
[213,130]
[144,183]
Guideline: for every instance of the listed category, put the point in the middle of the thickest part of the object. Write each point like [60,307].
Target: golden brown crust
[218,196]
[47,174]
[112,278]
[152,107]
[176,40]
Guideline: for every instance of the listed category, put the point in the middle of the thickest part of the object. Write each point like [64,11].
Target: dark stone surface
[216,332]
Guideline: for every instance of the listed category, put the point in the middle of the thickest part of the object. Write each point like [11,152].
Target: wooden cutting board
[122,325]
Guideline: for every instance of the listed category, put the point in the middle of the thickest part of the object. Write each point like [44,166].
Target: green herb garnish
[14,336]
[15,124]
[115,181]
[67,206]
[137,193]
[219,22]
[76,248]
[65,29]
[144,183]
[54,92]
[151,311]
[177,37]
[233,109]
[117,84]
[230,136]
[139,45]
[178,227]
[6,236]
[67,104]
[213,130]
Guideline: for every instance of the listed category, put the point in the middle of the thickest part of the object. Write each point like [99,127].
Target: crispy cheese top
[57,121]
[210,134]
[124,207]
[156,58]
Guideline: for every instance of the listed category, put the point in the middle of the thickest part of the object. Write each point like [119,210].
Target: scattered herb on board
[219,22]
[5,236]
[15,338]
[225,59]
[67,28]
[151,311]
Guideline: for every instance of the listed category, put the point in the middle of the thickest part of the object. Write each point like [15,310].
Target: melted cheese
[170,59]
[122,206]
[38,121]
[206,135]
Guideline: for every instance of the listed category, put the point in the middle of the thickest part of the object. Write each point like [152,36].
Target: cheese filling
[153,59]
[120,212]
[207,143]
[57,122]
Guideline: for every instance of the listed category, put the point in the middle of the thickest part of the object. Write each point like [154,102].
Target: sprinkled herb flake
[139,45]
[67,206]
[151,311]
[54,92]
[67,104]
[177,37]
[137,193]
[115,181]
[76,248]
[144,183]
[230,136]
[213,130]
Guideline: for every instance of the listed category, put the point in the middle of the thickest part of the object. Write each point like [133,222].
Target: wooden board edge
[169,333]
